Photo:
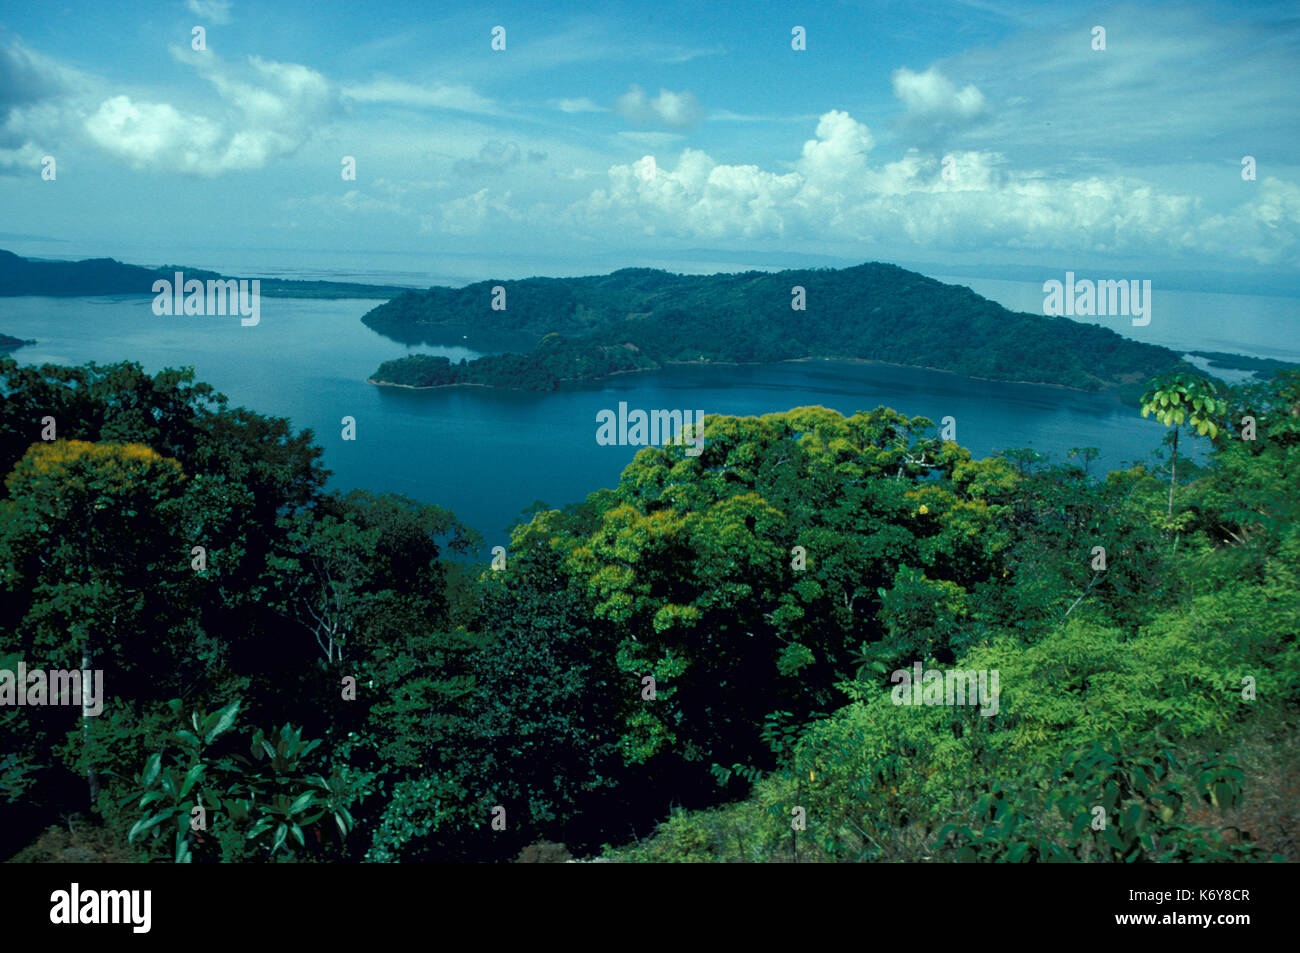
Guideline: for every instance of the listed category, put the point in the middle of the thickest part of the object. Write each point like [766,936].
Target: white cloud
[436,96]
[267,113]
[1265,229]
[355,200]
[840,149]
[835,196]
[579,105]
[933,94]
[726,115]
[24,157]
[494,156]
[150,133]
[678,110]
[36,111]
[216,11]
[473,213]
[1195,85]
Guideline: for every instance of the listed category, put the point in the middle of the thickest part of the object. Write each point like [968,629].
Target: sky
[988,136]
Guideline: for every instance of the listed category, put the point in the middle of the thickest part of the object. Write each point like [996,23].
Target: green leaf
[302,802]
[1112,838]
[228,715]
[142,826]
[151,769]
[191,776]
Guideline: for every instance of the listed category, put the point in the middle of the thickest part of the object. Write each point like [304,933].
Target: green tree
[89,555]
[364,566]
[746,579]
[1179,398]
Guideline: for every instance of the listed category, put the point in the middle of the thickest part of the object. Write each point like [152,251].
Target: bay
[488,454]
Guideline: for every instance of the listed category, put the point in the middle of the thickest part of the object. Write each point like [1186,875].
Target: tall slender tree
[1182,398]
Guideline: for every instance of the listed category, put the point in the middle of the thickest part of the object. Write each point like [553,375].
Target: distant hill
[107,276]
[642,318]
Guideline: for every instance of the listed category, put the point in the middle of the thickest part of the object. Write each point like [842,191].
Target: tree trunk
[794,834]
[92,779]
[1173,474]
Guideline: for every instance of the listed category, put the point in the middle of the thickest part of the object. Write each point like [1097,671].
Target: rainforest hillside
[641,318]
[664,671]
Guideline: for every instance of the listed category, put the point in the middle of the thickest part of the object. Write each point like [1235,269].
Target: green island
[1261,366]
[641,319]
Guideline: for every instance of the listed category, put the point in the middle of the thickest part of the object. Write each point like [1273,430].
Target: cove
[488,454]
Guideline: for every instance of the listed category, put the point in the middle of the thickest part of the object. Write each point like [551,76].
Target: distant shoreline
[1113,392]
[22,277]
[371,380]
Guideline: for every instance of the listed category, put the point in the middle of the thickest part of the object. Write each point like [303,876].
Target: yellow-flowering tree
[87,554]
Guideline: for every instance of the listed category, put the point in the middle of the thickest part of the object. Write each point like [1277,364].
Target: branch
[1095,576]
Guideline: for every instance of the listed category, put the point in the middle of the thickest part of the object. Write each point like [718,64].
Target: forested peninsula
[643,318]
[108,276]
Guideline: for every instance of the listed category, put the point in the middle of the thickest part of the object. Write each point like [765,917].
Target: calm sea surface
[488,454]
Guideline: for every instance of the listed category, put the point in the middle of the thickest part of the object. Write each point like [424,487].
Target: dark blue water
[488,454]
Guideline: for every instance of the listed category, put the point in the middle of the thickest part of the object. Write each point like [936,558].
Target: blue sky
[1060,156]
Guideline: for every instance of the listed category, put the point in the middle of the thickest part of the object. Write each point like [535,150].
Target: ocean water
[1254,325]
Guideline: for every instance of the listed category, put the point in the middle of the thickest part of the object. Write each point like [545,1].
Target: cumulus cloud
[1265,229]
[931,94]
[835,195]
[215,11]
[30,87]
[478,211]
[676,110]
[266,112]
